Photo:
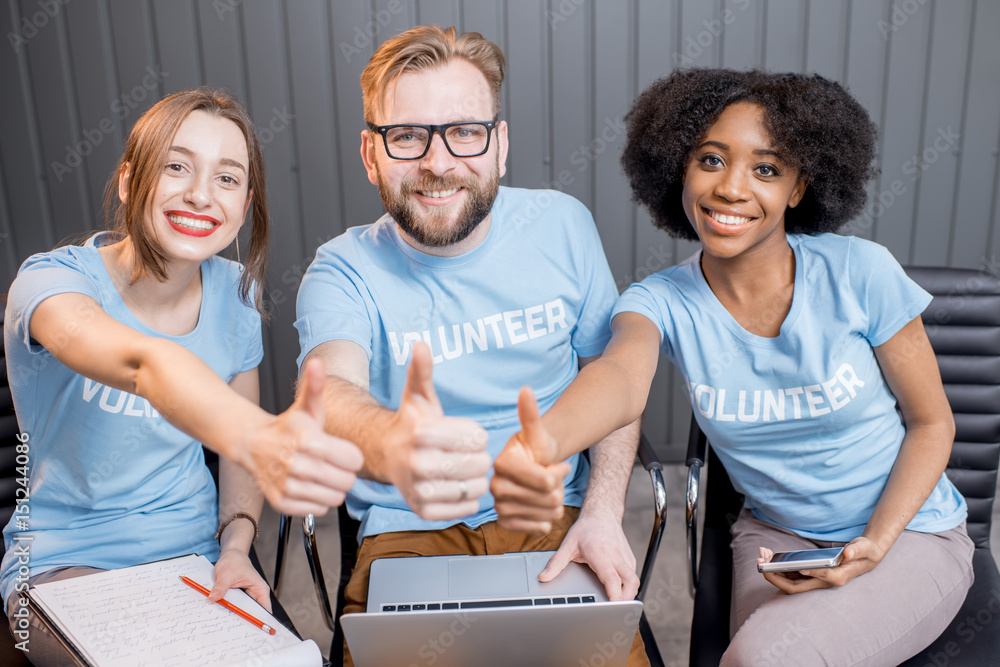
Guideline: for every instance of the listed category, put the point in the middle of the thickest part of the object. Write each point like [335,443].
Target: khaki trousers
[882,617]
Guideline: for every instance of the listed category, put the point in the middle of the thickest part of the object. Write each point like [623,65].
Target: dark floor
[668,605]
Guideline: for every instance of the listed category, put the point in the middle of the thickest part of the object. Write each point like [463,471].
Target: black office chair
[349,528]
[963,324]
[10,655]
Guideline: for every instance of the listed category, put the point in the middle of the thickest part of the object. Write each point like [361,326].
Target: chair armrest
[284,532]
[652,465]
[691,524]
[316,569]
[697,449]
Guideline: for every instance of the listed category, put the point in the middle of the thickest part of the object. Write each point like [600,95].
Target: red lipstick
[192,231]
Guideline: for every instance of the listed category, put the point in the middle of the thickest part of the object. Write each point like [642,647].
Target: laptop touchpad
[490,576]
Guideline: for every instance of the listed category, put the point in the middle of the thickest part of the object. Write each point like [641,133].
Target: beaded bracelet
[234,517]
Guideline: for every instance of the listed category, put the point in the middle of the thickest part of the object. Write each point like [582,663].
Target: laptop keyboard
[485,604]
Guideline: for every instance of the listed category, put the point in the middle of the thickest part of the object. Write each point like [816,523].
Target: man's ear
[502,146]
[368,155]
[123,176]
[798,192]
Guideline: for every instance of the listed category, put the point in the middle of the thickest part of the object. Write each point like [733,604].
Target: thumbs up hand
[300,468]
[527,480]
[438,463]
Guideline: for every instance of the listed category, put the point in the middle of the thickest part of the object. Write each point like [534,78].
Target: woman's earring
[238,248]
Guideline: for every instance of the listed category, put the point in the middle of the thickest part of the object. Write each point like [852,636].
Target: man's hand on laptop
[527,482]
[597,540]
[438,463]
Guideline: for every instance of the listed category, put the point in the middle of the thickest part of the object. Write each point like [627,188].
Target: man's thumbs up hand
[419,394]
[438,463]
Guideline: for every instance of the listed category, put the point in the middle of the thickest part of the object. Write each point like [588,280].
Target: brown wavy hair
[428,47]
[143,158]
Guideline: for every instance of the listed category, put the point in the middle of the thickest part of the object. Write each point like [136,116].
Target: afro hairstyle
[814,123]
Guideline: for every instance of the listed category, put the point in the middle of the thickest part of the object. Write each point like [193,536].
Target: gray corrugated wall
[76,74]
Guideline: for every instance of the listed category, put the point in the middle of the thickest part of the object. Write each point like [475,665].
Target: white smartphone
[807,559]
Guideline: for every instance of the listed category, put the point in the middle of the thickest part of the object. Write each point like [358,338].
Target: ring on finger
[463,490]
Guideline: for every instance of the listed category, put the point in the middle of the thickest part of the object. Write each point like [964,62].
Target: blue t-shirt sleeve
[330,304]
[889,298]
[240,321]
[255,344]
[640,298]
[40,277]
[593,330]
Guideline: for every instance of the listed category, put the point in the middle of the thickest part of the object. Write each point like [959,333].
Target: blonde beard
[433,230]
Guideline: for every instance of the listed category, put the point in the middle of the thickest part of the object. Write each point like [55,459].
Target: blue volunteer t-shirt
[804,422]
[112,483]
[519,309]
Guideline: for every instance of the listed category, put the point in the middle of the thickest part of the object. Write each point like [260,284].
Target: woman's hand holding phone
[805,559]
[860,555]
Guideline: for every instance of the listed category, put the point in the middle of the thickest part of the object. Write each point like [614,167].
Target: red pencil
[230,606]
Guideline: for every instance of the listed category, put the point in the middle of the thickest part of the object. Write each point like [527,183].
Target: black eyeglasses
[411,142]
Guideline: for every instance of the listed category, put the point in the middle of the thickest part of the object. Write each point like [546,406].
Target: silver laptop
[486,611]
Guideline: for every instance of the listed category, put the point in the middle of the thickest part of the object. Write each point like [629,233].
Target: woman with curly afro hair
[805,360]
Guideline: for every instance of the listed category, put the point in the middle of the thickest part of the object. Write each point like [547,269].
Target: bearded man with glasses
[430,319]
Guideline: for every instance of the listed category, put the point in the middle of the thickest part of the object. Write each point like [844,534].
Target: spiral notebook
[145,616]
